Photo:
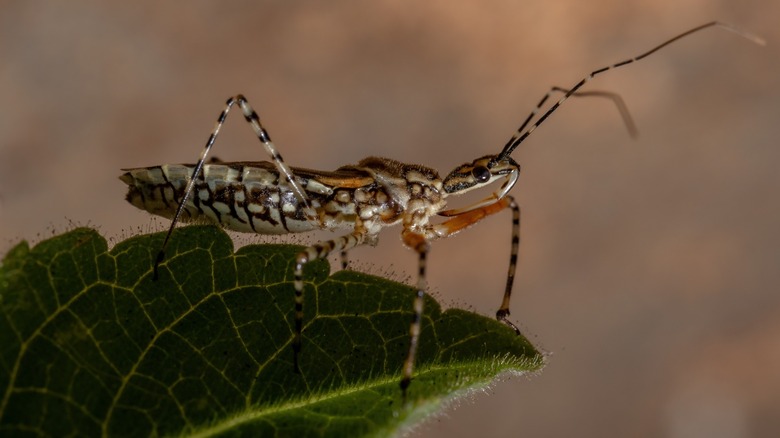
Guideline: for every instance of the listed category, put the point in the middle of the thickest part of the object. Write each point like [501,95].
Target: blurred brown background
[649,268]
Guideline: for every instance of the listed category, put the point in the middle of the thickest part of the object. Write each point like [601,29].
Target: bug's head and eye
[479,173]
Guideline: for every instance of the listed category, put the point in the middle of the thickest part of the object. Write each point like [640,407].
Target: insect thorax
[417,189]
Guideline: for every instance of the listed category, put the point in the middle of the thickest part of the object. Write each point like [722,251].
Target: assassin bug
[272,198]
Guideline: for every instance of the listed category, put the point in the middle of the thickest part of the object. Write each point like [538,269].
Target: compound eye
[481,173]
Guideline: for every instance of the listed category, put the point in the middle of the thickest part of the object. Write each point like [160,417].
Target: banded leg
[317,252]
[503,311]
[419,243]
[254,121]
[522,133]
[470,217]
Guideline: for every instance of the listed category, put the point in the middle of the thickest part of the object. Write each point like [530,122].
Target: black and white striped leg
[419,242]
[316,252]
[469,217]
[254,121]
[421,246]
[503,311]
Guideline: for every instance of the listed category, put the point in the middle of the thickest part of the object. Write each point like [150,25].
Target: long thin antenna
[521,135]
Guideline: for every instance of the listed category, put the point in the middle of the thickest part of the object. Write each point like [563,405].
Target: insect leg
[470,217]
[316,252]
[191,184]
[503,311]
[252,118]
[419,243]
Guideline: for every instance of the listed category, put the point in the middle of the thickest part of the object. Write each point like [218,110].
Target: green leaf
[91,345]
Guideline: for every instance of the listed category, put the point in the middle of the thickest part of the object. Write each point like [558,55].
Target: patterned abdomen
[240,198]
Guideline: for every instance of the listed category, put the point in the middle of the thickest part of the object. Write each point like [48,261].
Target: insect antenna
[521,134]
[622,108]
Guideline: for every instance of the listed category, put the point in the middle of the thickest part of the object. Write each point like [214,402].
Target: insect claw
[512,326]
[404,385]
[501,315]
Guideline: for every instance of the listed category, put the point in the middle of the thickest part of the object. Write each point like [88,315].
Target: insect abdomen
[246,199]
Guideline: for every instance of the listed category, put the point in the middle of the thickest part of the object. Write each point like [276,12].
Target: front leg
[470,217]
[420,243]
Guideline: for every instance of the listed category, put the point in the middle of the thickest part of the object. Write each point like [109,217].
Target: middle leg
[317,252]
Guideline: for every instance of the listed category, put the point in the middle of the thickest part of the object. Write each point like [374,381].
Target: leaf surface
[91,345]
